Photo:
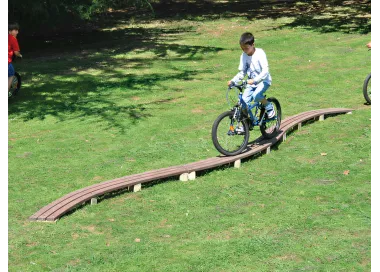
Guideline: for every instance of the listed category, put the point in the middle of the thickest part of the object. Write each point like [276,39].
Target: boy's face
[14,32]
[248,49]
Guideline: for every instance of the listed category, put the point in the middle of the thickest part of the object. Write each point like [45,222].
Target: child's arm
[16,48]
[264,69]
[242,71]
[18,54]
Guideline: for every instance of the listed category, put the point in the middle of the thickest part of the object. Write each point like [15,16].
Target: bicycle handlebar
[14,57]
[239,86]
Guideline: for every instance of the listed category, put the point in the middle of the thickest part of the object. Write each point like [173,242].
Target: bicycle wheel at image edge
[225,137]
[16,85]
[367,89]
[270,127]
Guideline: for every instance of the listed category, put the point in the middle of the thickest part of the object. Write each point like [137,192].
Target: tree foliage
[36,16]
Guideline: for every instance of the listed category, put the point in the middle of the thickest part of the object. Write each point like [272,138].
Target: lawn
[142,96]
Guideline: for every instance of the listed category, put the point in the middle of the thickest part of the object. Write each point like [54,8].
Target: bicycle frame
[256,105]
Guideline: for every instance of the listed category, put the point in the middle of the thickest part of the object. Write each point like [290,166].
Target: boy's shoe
[239,130]
[270,110]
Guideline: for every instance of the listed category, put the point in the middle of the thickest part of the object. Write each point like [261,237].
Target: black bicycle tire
[14,91]
[216,142]
[278,122]
[365,88]
[19,81]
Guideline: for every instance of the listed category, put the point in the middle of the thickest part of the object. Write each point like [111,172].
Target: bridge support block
[136,188]
[268,150]
[322,117]
[184,177]
[299,126]
[94,201]
[284,137]
[192,175]
[237,164]
[350,112]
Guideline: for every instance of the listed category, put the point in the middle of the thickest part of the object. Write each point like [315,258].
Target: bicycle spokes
[230,135]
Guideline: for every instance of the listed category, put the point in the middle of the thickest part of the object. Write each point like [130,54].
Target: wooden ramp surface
[59,207]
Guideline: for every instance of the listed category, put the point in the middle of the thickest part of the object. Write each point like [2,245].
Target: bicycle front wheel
[230,136]
[367,89]
[270,127]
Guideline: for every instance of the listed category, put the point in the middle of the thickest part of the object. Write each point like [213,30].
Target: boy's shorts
[11,70]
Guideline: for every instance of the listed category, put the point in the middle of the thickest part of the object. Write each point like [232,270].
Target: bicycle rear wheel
[367,89]
[229,135]
[270,127]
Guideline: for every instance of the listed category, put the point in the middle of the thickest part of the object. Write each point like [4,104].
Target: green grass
[129,105]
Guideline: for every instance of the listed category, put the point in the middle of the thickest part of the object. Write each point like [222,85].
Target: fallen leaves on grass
[346,172]
[323,154]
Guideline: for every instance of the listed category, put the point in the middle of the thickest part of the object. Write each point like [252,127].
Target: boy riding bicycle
[13,49]
[253,62]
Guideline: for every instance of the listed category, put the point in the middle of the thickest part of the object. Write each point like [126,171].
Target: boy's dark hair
[13,26]
[247,38]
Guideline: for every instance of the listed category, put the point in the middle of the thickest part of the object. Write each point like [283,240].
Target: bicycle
[227,135]
[15,86]
[367,88]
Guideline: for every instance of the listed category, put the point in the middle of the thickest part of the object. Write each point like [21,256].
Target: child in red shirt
[13,49]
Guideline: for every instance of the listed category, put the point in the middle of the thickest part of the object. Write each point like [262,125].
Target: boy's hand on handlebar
[18,54]
[230,83]
[250,81]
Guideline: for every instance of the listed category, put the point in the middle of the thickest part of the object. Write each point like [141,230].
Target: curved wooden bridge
[61,206]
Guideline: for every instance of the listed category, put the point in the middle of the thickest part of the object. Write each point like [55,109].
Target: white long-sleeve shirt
[256,66]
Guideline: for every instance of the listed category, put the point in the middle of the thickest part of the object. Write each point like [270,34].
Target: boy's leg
[248,95]
[258,95]
[11,73]
[247,98]
[10,79]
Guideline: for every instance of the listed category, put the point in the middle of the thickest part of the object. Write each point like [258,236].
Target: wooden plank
[62,205]
[105,188]
[123,182]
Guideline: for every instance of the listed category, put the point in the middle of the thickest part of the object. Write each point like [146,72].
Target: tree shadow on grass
[88,98]
[338,16]
[352,16]
[60,86]
[92,82]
